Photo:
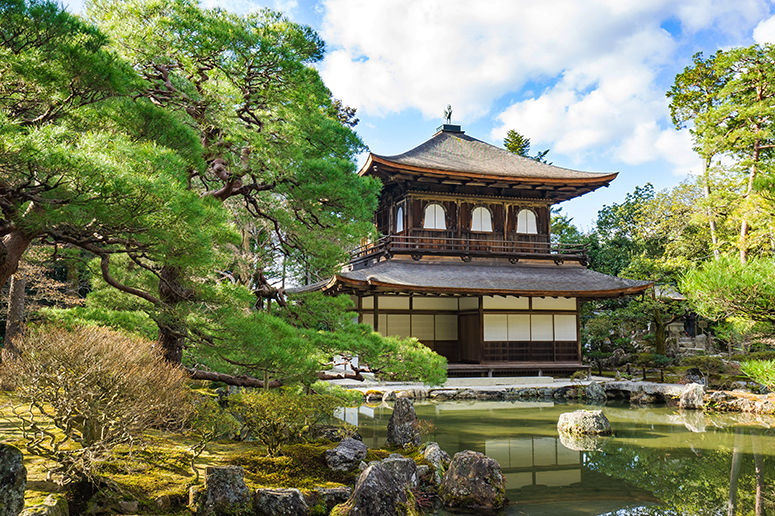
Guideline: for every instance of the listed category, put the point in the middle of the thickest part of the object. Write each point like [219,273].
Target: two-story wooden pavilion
[466,263]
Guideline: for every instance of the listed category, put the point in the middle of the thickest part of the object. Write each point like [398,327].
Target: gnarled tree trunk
[172,331]
[12,248]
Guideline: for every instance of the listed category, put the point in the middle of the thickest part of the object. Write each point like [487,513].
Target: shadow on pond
[660,461]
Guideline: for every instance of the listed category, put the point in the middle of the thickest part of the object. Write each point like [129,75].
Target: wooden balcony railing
[419,246]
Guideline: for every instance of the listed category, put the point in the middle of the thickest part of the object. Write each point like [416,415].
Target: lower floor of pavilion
[493,318]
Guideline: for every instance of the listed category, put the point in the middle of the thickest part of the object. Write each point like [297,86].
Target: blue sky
[584,78]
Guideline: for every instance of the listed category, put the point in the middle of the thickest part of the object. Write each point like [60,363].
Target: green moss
[146,474]
[412,452]
[302,466]
[342,509]
[376,455]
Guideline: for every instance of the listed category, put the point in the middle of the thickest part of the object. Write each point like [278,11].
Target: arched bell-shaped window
[526,222]
[481,220]
[434,217]
[400,219]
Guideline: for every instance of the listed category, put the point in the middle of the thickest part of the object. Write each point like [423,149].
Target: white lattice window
[526,222]
[434,217]
[481,219]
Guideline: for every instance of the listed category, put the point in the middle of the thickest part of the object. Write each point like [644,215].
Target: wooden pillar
[578,329]
[481,329]
[376,312]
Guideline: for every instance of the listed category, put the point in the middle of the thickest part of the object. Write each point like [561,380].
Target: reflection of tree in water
[696,482]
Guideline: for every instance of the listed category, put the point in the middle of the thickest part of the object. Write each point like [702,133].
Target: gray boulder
[13,480]
[438,458]
[377,493]
[584,422]
[347,455]
[692,397]
[403,428]
[595,392]
[329,497]
[280,502]
[473,481]
[224,492]
[403,468]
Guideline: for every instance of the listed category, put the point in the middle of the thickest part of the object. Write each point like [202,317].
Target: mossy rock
[13,480]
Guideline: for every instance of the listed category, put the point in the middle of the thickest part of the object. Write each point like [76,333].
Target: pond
[660,461]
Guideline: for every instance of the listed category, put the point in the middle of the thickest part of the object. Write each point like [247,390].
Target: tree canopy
[198,160]
[520,145]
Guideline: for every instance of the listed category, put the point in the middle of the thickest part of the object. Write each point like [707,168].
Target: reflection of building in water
[537,467]
[350,414]
[530,461]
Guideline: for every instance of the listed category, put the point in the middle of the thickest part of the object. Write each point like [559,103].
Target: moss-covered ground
[162,466]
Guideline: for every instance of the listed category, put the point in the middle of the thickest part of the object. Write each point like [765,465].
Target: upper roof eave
[598,179]
[454,154]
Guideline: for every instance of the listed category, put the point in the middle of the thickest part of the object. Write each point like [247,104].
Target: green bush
[279,417]
[760,371]
[209,422]
[85,392]
[579,376]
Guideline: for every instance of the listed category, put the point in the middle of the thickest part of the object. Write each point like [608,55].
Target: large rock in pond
[473,481]
[403,428]
[377,493]
[347,455]
[584,422]
[13,480]
[280,502]
[224,493]
[438,458]
[692,397]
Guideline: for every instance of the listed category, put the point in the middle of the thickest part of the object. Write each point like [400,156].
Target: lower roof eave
[341,283]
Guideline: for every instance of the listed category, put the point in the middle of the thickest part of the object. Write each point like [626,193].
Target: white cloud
[765,31]
[593,66]
[598,101]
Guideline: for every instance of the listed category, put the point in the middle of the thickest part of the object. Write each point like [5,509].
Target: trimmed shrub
[85,392]
[279,417]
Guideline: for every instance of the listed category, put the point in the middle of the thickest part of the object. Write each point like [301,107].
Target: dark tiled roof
[472,278]
[457,152]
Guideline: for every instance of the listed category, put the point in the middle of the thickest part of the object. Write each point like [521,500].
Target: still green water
[660,461]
